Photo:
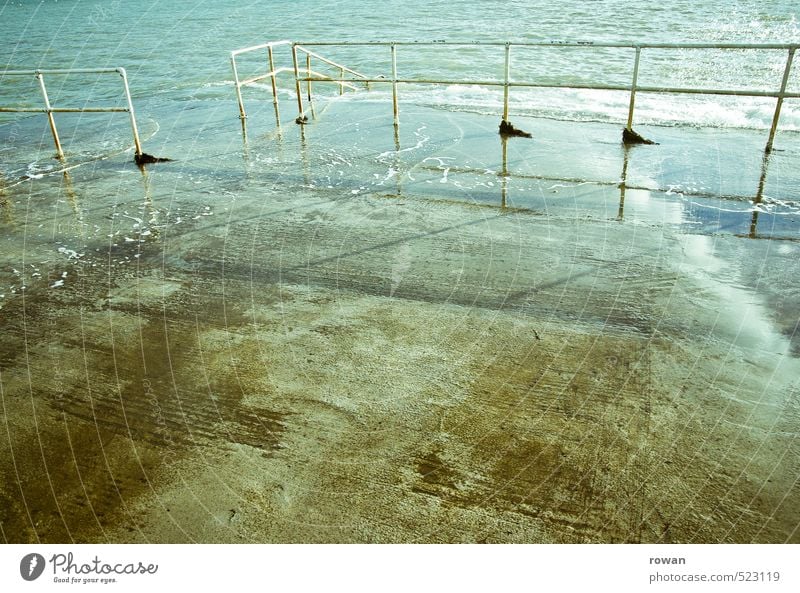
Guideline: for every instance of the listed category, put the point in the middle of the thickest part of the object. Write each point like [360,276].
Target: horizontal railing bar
[326,78]
[64,110]
[89,110]
[65,71]
[243,50]
[695,91]
[263,76]
[257,78]
[598,87]
[775,46]
[330,62]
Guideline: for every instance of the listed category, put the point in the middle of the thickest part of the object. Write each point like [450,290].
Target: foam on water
[598,106]
[158,44]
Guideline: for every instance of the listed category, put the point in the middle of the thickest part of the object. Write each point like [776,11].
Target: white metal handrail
[273,72]
[50,110]
[507,84]
[327,61]
[342,69]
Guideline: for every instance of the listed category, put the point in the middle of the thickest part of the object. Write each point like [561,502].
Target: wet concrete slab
[247,346]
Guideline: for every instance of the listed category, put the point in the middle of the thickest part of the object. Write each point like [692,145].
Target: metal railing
[272,73]
[507,84]
[50,110]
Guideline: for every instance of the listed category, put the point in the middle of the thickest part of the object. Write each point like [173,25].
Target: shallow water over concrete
[332,334]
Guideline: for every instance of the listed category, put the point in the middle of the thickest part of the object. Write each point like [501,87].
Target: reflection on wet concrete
[5,203]
[512,178]
[623,178]
[231,350]
[759,198]
[710,213]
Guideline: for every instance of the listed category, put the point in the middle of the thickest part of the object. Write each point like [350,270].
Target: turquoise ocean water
[179,50]
[177,58]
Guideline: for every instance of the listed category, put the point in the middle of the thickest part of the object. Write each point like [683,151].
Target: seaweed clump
[508,130]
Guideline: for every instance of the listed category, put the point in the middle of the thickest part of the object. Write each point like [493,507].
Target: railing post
[394,85]
[242,114]
[308,75]
[633,88]
[297,81]
[341,78]
[272,78]
[52,121]
[505,79]
[779,103]
[136,143]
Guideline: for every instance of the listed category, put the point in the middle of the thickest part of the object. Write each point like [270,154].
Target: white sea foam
[601,106]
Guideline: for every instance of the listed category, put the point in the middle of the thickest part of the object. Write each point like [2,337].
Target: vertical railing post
[341,78]
[308,75]
[506,76]
[297,81]
[271,61]
[50,118]
[394,85]
[136,143]
[634,82]
[779,103]
[242,114]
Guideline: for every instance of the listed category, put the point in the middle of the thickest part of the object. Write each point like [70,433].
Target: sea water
[179,50]
[177,57]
